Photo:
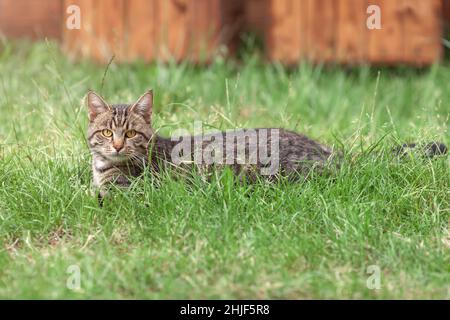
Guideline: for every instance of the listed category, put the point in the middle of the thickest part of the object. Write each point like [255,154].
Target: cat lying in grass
[123,144]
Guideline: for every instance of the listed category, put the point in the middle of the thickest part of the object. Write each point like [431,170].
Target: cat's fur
[117,158]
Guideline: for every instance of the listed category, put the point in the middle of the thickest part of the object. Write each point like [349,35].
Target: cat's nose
[118,146]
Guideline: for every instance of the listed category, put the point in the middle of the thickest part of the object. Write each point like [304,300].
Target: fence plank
[256,16]
[303,25]
[387,45]
[283,38]
[322,31]
[109,28]
[204,26]
[173,34]
[446,11]
[80,42]
[423,31]
[31,19]
[232,22]
[140,30]
[102,33]
[351,45]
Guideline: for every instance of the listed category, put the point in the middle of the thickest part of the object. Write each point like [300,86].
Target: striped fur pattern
[118,137]
[116,157]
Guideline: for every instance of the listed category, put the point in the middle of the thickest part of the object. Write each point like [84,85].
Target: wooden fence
[31,19]
[292,30]
[151,29]
[329,30]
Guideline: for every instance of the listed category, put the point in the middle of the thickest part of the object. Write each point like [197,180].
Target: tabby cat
[123,144]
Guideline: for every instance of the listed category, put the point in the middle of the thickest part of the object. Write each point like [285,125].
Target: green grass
[222,239]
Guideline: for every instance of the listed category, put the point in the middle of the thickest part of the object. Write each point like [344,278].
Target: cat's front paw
[100,193]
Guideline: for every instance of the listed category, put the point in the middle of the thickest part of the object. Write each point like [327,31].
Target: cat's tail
[428,150]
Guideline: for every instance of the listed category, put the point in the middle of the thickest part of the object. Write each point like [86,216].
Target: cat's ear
[96,105]
[144,105]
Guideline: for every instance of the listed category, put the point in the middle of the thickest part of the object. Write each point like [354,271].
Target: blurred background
[289,31]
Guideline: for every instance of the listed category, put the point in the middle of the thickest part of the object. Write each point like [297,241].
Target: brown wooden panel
[256,16]
[188,29]
[140,30]
[284,39]
[31,19]
[173,32]
[232,22]
[319,30]
[304,25]
[78,43]
[351,45]
[322,30]
[423,31]
[446,10]
[156,29]
[213,33]
[102,33]
[387,45]
[109,27]
[204,28]
[279,42]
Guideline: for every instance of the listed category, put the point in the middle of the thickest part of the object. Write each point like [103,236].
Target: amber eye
[130,133]
[107,133]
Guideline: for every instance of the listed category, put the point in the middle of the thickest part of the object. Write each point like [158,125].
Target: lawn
[222,239]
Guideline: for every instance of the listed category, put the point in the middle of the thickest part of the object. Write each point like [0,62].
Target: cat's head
[120,132]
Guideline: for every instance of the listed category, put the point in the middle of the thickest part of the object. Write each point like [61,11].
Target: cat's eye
[130,133]
[107,133]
